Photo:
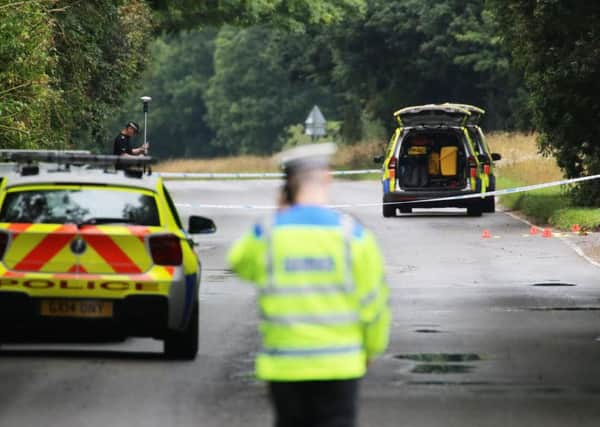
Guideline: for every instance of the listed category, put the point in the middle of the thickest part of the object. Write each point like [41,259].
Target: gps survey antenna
[146,100]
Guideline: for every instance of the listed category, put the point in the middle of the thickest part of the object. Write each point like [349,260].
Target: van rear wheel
[389,210]
[490,204]
[475,210]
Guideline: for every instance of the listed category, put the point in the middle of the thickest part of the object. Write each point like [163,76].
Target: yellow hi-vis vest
[321,292]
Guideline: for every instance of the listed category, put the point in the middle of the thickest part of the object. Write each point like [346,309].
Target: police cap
[306,157]
[134,126]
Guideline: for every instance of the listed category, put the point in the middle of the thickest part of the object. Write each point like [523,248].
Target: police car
[431,155]
[87,251]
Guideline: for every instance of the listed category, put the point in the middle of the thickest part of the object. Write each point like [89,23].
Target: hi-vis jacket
[322,294]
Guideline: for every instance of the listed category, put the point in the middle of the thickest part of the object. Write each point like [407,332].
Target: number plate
[76,308]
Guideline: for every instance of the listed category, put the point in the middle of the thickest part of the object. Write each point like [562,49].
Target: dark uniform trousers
[315,403]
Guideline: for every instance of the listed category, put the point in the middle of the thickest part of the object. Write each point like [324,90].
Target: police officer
[122,145]
[322,297]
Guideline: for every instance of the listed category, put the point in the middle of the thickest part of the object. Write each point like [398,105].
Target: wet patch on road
[218,275]
[451,383]
[441,363]
[440,368]
[552,284]
[574,308]
[441,357]
[401,269]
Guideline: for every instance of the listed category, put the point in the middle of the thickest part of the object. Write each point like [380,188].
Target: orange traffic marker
[547,232]
[533,230]
[575,228]
[486,234]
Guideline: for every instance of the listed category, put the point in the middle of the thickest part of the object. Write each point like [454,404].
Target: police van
[431,156]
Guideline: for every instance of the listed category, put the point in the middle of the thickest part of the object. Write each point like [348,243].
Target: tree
[65,65]
[101,51]
[27,97]
[557,44]
[252,98]
[291,14]
[415,52]
[177,79]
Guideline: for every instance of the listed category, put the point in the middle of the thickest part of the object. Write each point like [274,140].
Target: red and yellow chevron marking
[118,252]
[46,248]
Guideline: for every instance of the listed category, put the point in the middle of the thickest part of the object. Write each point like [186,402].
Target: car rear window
[80,205]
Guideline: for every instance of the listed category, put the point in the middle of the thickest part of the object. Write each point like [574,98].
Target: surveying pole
[146,100]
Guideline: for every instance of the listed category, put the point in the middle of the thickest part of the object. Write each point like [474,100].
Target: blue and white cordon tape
[364,205]
[255,175]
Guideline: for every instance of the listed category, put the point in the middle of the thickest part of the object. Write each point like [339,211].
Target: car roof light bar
[74,157]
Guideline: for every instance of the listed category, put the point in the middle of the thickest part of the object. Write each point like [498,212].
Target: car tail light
[3,244]
[166,250]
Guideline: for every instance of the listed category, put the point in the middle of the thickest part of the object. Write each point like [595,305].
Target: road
[474,341]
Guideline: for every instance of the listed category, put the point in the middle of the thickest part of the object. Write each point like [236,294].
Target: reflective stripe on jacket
[322,295]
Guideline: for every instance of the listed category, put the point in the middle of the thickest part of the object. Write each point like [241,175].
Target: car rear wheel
[183,345]
[389,211]
[475,210]
[405,210]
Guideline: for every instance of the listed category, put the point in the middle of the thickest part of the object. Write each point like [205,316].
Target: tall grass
[521,164]
[521,160]
[347,157]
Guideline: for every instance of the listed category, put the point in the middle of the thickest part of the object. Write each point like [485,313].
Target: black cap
[134,126]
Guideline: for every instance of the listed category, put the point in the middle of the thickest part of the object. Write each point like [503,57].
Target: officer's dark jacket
[122,145]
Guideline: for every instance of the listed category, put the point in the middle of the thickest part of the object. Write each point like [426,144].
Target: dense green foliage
[557,43]
[359,68]
[177,78]
[26,97]
[65,66]
[238,76]
[290,14]
[416,52]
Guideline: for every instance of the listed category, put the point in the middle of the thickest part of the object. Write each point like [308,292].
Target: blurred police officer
[122,145]
[322,296]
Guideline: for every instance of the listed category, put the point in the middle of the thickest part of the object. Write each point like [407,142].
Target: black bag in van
[413,172]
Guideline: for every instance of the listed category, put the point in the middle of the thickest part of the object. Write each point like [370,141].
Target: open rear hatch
[476,112]
[432,161]
[432,115]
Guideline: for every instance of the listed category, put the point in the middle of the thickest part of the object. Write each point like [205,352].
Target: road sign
[315,123]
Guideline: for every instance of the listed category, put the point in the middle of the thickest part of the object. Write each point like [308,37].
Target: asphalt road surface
[474,341]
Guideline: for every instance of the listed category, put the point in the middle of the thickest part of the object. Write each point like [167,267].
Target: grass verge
[549,206]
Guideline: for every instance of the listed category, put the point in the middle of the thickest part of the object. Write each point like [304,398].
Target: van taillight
[166,250]
[3,244]
[392,167]
[472,166]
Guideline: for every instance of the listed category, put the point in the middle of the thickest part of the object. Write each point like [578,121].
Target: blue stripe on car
[190,283]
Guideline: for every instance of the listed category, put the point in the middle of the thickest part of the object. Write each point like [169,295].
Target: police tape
[503,192]
[251,175]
